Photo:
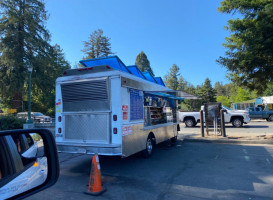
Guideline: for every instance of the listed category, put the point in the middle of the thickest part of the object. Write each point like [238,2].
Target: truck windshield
[226,108]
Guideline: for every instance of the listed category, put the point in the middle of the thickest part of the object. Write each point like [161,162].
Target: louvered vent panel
[85,96]
[85,91]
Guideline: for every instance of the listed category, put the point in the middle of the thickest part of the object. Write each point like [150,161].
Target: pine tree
[249,47]
[43,81]
[182,84]
[206,92]
[143,63]
[171,79]
[220,89]
[97,45]
[23,36]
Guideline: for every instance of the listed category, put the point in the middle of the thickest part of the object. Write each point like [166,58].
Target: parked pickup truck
[258,113]
[236,117]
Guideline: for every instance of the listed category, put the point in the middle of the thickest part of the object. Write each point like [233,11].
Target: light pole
[29,121]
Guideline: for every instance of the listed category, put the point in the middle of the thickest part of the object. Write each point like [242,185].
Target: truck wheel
[190,122]
[237,122]
[174,140]
[149,147]
[270,118]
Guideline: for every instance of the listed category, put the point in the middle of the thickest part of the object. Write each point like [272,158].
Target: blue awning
[112,61]
[159,81]
[149,77]
[162,94]
[136,71]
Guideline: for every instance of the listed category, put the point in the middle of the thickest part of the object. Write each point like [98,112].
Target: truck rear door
[86,111]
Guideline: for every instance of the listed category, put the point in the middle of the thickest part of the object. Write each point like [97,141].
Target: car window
[21,143]
[8,150]
[38,114]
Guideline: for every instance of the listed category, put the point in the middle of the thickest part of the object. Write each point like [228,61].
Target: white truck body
[100,110]
[236,117]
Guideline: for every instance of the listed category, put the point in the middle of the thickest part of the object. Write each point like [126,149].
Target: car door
[258,112]
[252,113]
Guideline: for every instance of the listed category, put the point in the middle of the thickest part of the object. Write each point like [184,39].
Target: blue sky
[188,33]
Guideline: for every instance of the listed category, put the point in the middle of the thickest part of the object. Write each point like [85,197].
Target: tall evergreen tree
[206,92]
[220,89]
[249,54]
[97,45]
[143,63]
[269,90]
[44,77]
[23,36]
[182,84]
[171,79]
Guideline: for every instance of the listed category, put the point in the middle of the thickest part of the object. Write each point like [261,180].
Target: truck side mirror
[28,162]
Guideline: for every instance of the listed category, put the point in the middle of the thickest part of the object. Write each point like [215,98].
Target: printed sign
[127,130]
[12,111]
[124,107]
[136,104]
[125,115]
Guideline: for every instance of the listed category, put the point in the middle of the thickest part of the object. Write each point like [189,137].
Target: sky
[188,33]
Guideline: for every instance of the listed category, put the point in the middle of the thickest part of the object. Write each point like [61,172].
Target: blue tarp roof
[149,77]
[136,71]
[115,63]
[159,81]
[112,61]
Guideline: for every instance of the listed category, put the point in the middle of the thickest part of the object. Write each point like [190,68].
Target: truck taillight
[65,72]
[59,119]
[108,67]
[115,117]
[115,130]
[59,130]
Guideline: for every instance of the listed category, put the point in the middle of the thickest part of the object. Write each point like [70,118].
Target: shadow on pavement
[230,126]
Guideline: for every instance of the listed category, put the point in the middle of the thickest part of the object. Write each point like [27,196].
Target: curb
[228,141]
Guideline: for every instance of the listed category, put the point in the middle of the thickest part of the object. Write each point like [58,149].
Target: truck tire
[149,147]
[270,118]
[189,122]
[174,140]
[237,122]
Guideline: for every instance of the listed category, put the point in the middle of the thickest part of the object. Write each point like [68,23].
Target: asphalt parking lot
[187,170]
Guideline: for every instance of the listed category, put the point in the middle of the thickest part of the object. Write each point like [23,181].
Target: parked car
[36,117]
[259,113]
[236,117]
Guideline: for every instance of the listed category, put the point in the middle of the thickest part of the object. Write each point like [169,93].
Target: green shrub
[9,122]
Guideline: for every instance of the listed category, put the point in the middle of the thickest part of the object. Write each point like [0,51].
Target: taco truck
[109,108]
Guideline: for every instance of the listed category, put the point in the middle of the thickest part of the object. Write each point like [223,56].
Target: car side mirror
[28,162]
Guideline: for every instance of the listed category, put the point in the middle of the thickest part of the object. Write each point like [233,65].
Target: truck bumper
[247,120]
[108,150]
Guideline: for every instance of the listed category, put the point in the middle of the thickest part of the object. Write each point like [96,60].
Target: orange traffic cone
[95,184]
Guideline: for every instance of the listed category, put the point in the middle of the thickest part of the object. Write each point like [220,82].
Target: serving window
[158,110]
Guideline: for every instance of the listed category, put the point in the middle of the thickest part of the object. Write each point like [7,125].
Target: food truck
[109,108]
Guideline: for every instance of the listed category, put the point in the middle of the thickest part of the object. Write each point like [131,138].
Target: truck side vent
[85,91]
[86,96]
